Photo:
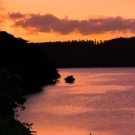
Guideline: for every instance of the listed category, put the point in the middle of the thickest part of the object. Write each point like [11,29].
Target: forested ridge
[26,67]
[118,52]
[18,56]
[23,69]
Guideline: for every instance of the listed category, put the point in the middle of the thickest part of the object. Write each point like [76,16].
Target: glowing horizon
[45,21]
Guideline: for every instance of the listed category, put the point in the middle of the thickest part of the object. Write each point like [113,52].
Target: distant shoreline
[118,52]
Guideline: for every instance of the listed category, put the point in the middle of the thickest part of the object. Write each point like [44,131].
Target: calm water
[101,102]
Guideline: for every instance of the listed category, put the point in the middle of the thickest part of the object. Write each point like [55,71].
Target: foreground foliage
[10,100]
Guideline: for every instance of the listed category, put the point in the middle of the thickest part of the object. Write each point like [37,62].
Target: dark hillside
[27,60]
[119,52]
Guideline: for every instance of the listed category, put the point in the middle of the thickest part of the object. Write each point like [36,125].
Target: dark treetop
[118,52]
[18,56]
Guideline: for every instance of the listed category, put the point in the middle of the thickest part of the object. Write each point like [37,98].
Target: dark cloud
[50,23]
[16,15]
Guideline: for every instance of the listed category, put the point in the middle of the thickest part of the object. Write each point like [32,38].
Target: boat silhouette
[70,79]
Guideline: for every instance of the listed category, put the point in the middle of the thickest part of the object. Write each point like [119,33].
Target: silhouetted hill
[119,52]
[27,60]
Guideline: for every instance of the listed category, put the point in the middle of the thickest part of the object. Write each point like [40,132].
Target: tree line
[26,67]
[117,52]
[18,56]
[23,69]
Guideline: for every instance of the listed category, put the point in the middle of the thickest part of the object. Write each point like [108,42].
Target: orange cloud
[2,17]
[2,6]
[49,23]
[1,21]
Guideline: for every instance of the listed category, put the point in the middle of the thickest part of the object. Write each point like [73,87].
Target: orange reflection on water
[68,131]
[91,89]
[65,110]
[101,102]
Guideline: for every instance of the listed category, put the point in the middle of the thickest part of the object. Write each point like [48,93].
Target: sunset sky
[62,20]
